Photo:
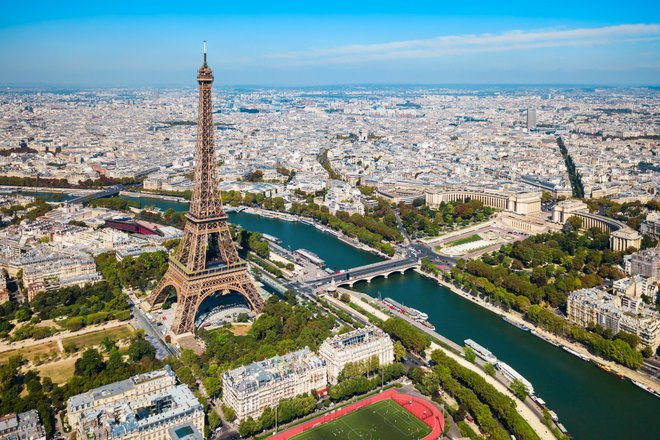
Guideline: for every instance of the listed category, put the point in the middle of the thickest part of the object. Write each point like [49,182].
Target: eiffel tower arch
[206,260]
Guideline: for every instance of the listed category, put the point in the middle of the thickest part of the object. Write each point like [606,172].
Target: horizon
[134,44]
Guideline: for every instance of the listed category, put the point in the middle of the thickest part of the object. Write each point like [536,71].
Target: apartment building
[646,263]
[23,426]
[252,388]
[356,346]
[56,270]
[616,313]
[148,406]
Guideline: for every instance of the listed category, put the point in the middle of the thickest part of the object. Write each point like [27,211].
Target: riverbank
[28,189]
[147,195]
[549,337]
[310,222]
[534,418]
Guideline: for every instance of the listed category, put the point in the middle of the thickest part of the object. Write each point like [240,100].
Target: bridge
[107,192]
[367,273]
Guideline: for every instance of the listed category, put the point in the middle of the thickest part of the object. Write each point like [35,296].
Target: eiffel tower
[206,261]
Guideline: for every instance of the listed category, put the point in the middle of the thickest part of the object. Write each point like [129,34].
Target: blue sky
[315,42]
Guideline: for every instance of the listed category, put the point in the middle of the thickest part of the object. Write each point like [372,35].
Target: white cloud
[449,45]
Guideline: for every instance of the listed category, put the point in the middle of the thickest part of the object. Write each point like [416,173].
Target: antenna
[205,52]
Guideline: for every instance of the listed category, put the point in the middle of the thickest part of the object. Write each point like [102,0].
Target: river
[591,403]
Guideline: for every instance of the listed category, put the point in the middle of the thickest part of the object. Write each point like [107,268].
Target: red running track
[420,408]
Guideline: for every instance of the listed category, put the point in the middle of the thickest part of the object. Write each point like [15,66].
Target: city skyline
[338,44]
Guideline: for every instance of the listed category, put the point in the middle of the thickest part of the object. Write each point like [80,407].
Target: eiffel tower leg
[184,318]
[246,286]
[158,294]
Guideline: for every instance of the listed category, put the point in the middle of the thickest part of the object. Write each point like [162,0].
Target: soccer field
[384,420]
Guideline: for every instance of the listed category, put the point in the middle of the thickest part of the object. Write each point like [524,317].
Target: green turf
[470,239]
[384,420]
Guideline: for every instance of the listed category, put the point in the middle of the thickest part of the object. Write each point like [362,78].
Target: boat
[271,238]
[619,375]
[514,323]
[513,375]
[545,338]
[645,388]
[307,222]
[604,367]
[428,325]
[584,357]
[481,351]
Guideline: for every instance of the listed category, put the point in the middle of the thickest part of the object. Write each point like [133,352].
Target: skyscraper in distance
[531,118]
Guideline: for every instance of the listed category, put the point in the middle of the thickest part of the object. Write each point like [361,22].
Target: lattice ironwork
[206,260]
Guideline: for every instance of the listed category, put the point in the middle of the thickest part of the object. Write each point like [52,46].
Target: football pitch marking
[392,421]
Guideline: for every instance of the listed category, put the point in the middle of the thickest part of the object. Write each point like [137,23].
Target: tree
[228,411]
[22,315]
[90,363]
[647,352]
[345,297]
[519,389]
[411,338]
[214,419]
[490,369]
[108,344]
[212,385]
[470,355]
[242,317]
[70,347]
[399,351]
[575,223]
[630,338]
[140,348]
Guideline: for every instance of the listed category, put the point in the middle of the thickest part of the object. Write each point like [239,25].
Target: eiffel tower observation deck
[206,261]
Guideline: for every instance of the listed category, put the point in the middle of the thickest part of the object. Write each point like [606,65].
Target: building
[4,292]
[565,209]
[56,270]
[625,238]
[520,203]
[356,346]
[616,313]
[622,237]
[531,118]
[651,225]
[23,426]
[252,388]
[146,406]
[646,263]
[398,195]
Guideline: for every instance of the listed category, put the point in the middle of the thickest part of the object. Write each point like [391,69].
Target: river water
[591,403]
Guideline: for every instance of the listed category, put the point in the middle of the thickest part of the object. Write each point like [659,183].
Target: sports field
[384,420]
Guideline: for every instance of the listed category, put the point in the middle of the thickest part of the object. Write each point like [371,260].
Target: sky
[308,43]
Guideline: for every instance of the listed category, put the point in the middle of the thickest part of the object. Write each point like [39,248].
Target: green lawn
[470,239]
[384,420]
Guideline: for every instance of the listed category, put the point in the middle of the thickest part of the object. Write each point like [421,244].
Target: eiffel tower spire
[206,260]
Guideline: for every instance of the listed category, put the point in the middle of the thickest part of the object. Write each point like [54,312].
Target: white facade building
[252,388]
[356,346]
[146,406]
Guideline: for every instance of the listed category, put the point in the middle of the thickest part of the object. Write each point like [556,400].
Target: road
[419,249]
[651,367]
[155,336]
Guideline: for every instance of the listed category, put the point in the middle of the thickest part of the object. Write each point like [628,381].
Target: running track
[420,408]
